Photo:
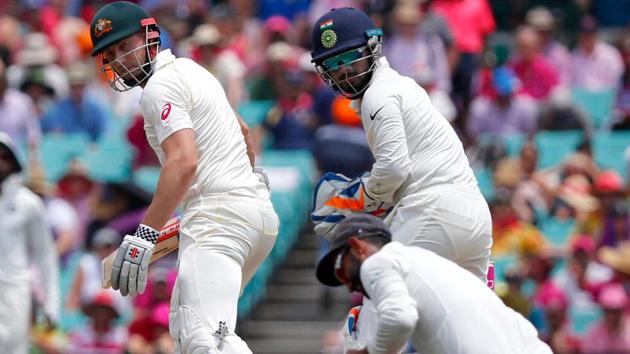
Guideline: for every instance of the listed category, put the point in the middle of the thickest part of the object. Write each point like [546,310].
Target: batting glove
[131,266]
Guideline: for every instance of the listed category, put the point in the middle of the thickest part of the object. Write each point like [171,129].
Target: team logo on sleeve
[166,111]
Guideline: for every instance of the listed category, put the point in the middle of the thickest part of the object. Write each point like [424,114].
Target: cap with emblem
[116,21]
[358,225]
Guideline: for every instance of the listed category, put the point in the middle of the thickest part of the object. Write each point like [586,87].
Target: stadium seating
[598,105]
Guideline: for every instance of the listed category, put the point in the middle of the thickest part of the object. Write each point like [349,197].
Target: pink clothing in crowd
[538,77]
[560,58]
[470,20]
[600,340]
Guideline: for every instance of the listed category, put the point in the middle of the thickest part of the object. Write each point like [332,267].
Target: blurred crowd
[516,79]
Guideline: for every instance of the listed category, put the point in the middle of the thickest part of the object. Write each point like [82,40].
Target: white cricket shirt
[182,94]
[413,145]
[441,307]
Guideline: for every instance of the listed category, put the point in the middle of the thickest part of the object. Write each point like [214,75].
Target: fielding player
[421,296]
[420,162]
[228,222]
[25,238]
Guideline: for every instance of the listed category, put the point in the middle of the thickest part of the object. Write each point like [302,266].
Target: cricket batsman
[420,167]
[228,224]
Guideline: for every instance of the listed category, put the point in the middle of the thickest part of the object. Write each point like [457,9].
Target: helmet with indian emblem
[343,37]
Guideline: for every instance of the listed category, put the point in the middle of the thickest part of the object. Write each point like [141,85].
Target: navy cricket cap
[358,225]
[340,30]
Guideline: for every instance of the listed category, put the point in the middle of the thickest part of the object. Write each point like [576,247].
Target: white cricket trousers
[451,221]
[223,240]
[15,316]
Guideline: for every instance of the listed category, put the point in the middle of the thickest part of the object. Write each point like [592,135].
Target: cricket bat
[167,243]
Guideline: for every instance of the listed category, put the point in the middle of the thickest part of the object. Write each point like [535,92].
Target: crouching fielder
[228,225]
[422,297]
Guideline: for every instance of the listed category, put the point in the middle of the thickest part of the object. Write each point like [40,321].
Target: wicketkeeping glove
[337,197]
[131,266]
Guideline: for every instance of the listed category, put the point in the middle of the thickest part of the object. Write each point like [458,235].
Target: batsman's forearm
[175,179]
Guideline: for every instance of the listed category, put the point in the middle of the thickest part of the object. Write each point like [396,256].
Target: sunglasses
[346,58]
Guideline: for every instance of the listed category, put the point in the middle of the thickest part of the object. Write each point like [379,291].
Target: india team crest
[102,26]
[329,38]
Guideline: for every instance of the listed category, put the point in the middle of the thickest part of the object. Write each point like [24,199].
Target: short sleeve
[166,103]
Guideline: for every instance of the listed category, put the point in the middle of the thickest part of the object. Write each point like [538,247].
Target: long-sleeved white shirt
[413,145]
[26,239]
[440,307]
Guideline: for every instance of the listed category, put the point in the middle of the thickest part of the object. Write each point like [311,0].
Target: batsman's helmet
[341,37]
[115,22]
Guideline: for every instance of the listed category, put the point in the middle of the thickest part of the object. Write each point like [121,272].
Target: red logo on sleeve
[133,253]
[166,110]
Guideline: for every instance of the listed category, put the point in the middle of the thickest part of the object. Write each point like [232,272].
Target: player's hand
[131,266]
[351,338]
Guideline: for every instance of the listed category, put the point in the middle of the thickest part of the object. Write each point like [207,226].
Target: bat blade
[167,243]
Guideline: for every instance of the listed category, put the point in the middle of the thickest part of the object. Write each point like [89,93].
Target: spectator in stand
[102,334]
[595,65]
[19,116]
[86,282]
[471,22]
[582,279]
[62,218]
[222,62]
[412,52]
[435,24]
[511,235]
[559,113]
[506,113]
[79,112]
[118,205]
[538,76]
[74,187]
[157,325]
[621,118]
[531,196]
[146,328]
[612,333]
[614,223]
[513,295]
[618,259]
[542,20]
[557,334]
[271,82]
[38,57]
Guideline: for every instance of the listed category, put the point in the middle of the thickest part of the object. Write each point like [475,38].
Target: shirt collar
[163,58]
[381,66]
